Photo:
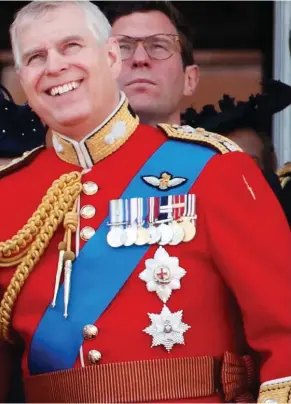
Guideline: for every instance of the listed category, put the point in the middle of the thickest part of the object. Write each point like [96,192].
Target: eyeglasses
[159,46]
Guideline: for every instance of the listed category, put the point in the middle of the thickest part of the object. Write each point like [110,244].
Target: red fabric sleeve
[250,243]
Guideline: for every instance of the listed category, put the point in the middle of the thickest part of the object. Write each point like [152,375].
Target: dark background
[217,24]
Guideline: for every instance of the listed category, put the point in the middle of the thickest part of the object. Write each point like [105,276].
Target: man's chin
[71,118]
[63,123]
[142,102]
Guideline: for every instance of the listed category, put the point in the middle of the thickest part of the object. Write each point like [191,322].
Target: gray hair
[97,22]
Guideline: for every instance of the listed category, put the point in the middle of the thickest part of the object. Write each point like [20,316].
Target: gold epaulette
[199,135]
[276,392]
[284,174]
[20,162]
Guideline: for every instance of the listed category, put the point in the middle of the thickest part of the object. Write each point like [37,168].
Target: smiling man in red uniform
[138,263]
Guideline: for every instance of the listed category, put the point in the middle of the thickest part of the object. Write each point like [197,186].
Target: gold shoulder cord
[27,246]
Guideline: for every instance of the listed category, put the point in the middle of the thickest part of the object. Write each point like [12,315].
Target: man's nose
[140,57]
[56,63]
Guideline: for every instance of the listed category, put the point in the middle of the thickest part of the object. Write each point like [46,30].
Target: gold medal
[187,221]
[142,236]
[188,227]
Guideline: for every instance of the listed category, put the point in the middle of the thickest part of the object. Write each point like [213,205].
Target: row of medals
[140,232]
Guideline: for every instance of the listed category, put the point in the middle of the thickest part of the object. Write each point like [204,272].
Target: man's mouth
[64,88]
[140,81]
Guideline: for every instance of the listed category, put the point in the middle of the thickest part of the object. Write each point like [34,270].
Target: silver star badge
[162,274]
[167,328]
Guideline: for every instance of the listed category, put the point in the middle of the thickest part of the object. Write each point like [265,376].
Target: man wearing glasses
[158,68]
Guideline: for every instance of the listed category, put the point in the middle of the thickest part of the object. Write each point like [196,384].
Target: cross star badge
[162,274]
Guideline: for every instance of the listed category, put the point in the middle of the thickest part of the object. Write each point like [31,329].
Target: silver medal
[116,237]
[154,232]
[178,234]
[178,231]
[165,227]
[167,232]
[130,218]
[131,235]
[142,235]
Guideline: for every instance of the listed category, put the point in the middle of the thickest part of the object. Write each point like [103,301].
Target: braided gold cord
[16,259]
[29,231]
[62,201]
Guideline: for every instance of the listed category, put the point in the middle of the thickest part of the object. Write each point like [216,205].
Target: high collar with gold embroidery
[102,142]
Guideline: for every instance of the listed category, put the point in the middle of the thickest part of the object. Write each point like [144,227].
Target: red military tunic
[236,292]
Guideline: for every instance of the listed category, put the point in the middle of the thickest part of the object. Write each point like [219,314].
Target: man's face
[154,87]
[251,144]
[67,76]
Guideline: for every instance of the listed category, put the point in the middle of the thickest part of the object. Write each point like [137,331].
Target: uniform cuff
[276,391]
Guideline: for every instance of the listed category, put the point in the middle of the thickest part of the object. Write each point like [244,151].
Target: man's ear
[192,76]
[114,57]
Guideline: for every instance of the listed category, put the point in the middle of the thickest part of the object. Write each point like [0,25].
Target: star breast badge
[165,181]
[167,328]
[162,274]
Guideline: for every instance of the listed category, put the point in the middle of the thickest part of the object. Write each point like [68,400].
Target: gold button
[90,331]
[88,211]
[94,356]
[90,188]
[86,233]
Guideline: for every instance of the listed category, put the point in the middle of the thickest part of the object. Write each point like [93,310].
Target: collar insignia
[165,181]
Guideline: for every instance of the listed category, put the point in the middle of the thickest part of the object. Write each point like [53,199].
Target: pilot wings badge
[165,181]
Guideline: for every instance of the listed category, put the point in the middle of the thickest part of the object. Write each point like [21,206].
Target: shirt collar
[103,141]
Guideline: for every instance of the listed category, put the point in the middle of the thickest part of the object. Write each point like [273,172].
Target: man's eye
[159,45]
[72,45]
[34,58]
[125,46]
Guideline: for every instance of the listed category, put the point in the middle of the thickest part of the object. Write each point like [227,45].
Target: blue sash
[100,271]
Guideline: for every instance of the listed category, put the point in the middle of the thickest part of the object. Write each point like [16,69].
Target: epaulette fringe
[199,135]
[20,162]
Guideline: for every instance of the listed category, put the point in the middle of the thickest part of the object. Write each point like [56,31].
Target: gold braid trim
[59,200]
[15,246]
[284,174]
[284,181]
[285,170]
[273,392]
